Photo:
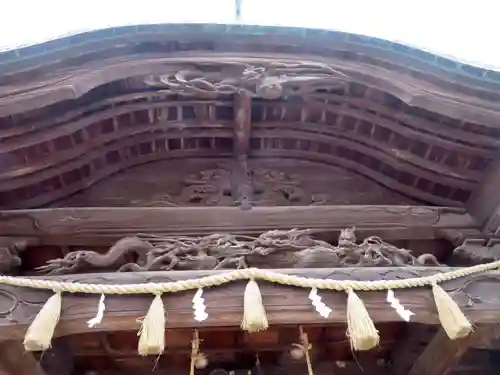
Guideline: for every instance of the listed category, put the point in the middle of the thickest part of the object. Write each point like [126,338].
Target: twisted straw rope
[245,274]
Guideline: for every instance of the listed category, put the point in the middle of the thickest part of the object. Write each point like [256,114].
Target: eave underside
[76,111]
[424,129]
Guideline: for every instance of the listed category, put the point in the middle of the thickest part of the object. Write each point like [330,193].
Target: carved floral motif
[215,187]
[272,249]
[208,187]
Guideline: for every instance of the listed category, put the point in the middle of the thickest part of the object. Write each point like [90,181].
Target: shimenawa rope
[361,330]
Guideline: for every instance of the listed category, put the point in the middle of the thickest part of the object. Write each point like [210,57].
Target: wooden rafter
[438,356]
[441,354]
[101,226]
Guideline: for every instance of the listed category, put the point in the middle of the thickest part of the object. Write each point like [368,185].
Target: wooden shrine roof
[74,111]
[189,130]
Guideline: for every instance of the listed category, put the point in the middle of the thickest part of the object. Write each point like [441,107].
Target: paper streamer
[396,305]
[199,308]
[318,304]
[100,313]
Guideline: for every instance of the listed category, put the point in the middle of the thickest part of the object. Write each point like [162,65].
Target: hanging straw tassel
[453,320]
[360,328]
[39,334]
[152,332]
[254,313]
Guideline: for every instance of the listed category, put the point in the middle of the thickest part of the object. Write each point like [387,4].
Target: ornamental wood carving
[264,79]
[273,249]
[217,187]
[477,251]
[220,182]
[269,187]
[10,252]
[349,109]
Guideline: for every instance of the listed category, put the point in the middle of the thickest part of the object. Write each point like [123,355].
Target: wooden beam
[415,338]
[241,186]
[475,294]
[243,121]
[14,360]
[102,226]
[441,355]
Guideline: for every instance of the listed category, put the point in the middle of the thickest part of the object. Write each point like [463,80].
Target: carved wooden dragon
[477,251]
[10,252]
[268,80]
[272,249]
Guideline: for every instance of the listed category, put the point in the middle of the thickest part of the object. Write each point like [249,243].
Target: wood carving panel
[268,80]
[195,182]
[273,249]
[477,251]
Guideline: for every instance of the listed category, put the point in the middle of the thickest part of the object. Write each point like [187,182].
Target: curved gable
[76,110]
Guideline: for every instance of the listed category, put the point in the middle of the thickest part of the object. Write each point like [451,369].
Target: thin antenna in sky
[238,10]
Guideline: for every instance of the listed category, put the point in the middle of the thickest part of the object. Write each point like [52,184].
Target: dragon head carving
[347,237]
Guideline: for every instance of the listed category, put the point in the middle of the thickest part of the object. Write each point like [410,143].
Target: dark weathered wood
[14,360]
[484,204]
[89,226]
[441,355]
[436,101]
[490,341]
[475,294]
[242,189]
[241,185]
[411,344]
[10,251]
[59,359]
[334,101]
[243,121]
[476,251]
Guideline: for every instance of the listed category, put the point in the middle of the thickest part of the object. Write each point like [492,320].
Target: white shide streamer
[199,307]
[100,313]
[396,305]
[319,305]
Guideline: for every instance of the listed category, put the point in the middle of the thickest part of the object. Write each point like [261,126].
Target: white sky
[466,29]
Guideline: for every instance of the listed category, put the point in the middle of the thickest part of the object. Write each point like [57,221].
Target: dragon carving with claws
[272,249]
[264,79]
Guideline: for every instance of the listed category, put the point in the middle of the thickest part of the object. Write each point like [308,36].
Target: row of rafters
[76,110]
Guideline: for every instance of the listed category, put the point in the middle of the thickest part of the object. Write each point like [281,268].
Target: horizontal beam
[100,226]
[475,294]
